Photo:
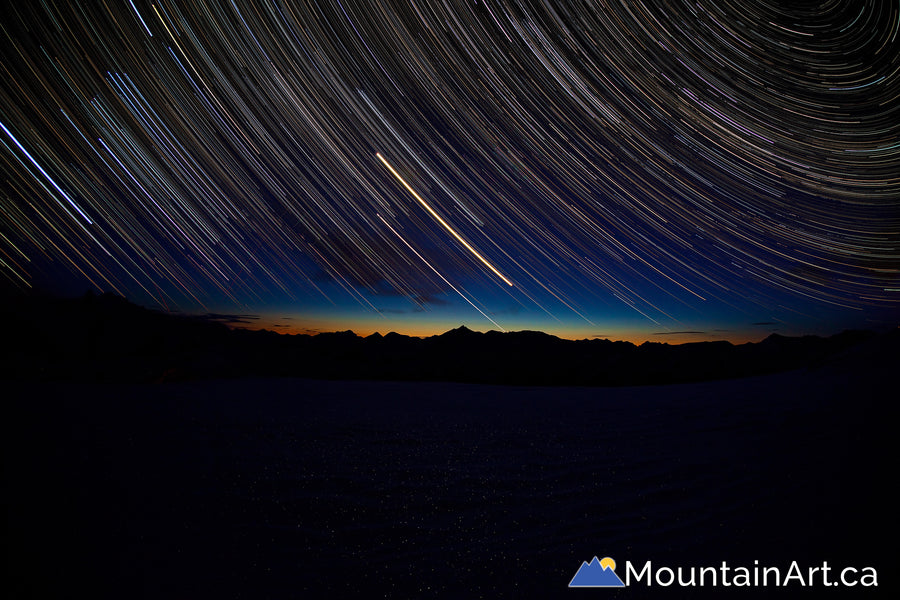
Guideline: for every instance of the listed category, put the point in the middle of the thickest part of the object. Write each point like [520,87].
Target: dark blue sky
[633,170]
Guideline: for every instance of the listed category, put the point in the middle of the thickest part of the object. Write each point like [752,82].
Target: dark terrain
[148,456]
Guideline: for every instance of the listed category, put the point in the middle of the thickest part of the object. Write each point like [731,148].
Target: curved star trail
[673,162]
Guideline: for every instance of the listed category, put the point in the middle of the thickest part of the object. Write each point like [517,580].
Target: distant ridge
[107,338]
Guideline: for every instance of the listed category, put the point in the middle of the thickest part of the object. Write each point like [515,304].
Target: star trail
[614,168]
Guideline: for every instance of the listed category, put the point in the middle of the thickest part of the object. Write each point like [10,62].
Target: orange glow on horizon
[366,327]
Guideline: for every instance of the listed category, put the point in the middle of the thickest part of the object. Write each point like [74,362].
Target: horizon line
[644,339]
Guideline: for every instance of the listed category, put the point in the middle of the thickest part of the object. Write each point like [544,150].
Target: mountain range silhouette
[107,338]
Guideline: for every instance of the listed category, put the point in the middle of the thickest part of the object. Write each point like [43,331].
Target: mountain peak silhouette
[459,332]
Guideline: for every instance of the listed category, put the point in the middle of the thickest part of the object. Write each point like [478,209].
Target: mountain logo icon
[597,573]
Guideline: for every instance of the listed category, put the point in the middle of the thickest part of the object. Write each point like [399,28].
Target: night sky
[666,170]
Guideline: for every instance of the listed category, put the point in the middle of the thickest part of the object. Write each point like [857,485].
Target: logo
[597,573]
[602,573]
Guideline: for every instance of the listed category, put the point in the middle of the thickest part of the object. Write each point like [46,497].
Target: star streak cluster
[668,159]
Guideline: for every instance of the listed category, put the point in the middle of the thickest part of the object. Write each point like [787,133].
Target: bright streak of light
[50,179]
[442,221]
[444,279]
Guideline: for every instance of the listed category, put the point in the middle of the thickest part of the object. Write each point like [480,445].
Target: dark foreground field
[283,487]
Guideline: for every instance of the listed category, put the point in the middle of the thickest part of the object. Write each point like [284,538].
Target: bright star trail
[438,218]
[693,170]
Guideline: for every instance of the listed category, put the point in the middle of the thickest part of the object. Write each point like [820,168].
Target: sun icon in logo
[608,563]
